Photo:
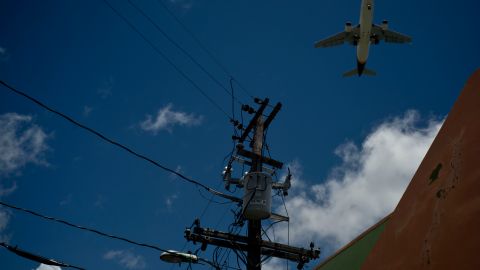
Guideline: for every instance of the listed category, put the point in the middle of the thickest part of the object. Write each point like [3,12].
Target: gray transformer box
[257,200]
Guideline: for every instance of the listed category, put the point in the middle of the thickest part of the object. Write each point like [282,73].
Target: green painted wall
[353,257]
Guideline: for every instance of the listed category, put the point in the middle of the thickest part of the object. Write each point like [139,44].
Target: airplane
[361,36]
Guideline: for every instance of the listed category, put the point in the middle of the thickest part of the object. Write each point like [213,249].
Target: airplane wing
[338,39]
[389,35]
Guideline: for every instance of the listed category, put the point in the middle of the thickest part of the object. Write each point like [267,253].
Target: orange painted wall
[436,224]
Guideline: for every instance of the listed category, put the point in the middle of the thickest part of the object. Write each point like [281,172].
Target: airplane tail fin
[355,71]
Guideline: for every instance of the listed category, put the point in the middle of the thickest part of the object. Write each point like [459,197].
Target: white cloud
[126,259]
[169,200]
[87,110]
[100,201]
[364,188]
[167,118]
[4,218]
[4,55]
[67,200]
[106,89]
[276,263]
[178,169]
[6,191]
[186,5]
[48,267]
[21,142]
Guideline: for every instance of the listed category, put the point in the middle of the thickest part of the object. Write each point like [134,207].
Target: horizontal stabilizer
[350,73]
[353,72]
[369,72]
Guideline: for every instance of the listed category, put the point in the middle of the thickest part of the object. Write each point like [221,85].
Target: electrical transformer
[257,200]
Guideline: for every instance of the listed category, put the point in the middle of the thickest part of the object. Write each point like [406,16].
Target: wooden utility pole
[253,243]
[254,254]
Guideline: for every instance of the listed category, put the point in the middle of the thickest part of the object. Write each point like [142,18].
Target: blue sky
[82,59]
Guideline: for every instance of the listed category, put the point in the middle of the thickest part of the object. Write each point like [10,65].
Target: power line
[64,222]
[288,222]
[36,258]
[203,47]
[197,40]
[70,224]
[210,75]
[233,103]
[105,138]
[210,200]
[164,56]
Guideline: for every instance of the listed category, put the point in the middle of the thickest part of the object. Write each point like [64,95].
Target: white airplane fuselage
[366,20]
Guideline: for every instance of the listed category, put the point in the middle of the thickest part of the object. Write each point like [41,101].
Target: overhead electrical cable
[210,201]
[197,40]
[70,224]
[203,47]
[111,141]
[233,104]
[37,258]
[288,223]
[164,56]
[210,75]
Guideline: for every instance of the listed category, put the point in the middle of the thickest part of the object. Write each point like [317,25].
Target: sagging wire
[288,223]
[238,263]
[204,48]
[235,228]
[215,256]
[225,257]
[210,200]
[115,143]
[221,254]
[218,262]
[265,259]
[273,232]
[211,197]
[178,46]
[233,103]
[166,58]
[264,232]
[95,231]
[37,258]
[272,224]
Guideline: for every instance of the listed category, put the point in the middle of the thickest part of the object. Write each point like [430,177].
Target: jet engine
[384,25]
[348,27]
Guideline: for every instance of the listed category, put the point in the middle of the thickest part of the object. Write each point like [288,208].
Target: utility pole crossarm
[205,240]
[272,115]
[239,242]
[254,120]
[245,153]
